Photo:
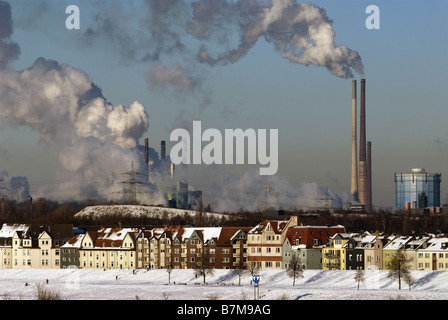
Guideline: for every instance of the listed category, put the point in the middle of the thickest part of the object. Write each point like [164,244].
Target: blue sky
[405,69]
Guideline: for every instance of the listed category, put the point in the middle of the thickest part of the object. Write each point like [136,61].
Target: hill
[137,211]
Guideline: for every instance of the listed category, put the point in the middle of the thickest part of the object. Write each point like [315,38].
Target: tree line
[42,210]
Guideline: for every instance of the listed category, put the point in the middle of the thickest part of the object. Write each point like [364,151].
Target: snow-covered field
[83,284]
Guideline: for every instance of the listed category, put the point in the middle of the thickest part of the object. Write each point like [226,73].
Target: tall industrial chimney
[369,178]
[146,151]
[162,149]
[362,146]
[354,180]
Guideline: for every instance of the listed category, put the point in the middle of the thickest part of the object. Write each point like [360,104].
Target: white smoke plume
[187,30]
[91,137]
[176,76]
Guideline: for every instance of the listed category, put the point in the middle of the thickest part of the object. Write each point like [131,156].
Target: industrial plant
[175,190]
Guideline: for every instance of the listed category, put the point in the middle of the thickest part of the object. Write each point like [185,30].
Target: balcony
[333,265]
[332,255]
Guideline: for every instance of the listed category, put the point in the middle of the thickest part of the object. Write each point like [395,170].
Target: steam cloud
[93,138]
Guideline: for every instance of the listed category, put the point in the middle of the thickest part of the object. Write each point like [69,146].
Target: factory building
[417,189]
[175,190]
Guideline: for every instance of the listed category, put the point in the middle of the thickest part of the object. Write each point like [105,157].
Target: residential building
[265,243]
[25,253]
[391,249]
[354,253]
[434,256]
[112,248]
[219,248]
[411,250]
[70,252]
[6,234]
[188,247]
[50,257]
[334,255]
[373,251]
[306,243]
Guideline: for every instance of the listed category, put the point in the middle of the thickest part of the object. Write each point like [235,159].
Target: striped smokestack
[369,178]
[362,146]
[354,180]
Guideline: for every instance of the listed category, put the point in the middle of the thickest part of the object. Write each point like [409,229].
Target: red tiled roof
[305,235]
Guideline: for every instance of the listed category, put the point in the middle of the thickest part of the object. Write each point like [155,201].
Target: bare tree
[169,269]
[253,268]
[399,267]
[240,271]
[200,218]
[204,265]
[359,276]
[295,269]
[409,279]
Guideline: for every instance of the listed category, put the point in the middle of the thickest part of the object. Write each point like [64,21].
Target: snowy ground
[223,285]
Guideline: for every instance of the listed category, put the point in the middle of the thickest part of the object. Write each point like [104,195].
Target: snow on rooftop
[397,243]
[75,242]
[208,232]
[437,244]
[8,230]
[114,233]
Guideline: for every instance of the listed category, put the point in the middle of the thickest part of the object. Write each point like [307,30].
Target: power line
[132,182]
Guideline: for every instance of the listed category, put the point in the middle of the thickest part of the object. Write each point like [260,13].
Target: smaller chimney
[172,171]
[162,149]
[146,151]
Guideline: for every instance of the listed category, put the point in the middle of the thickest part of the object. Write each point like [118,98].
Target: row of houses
[376,251]
[271,244]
